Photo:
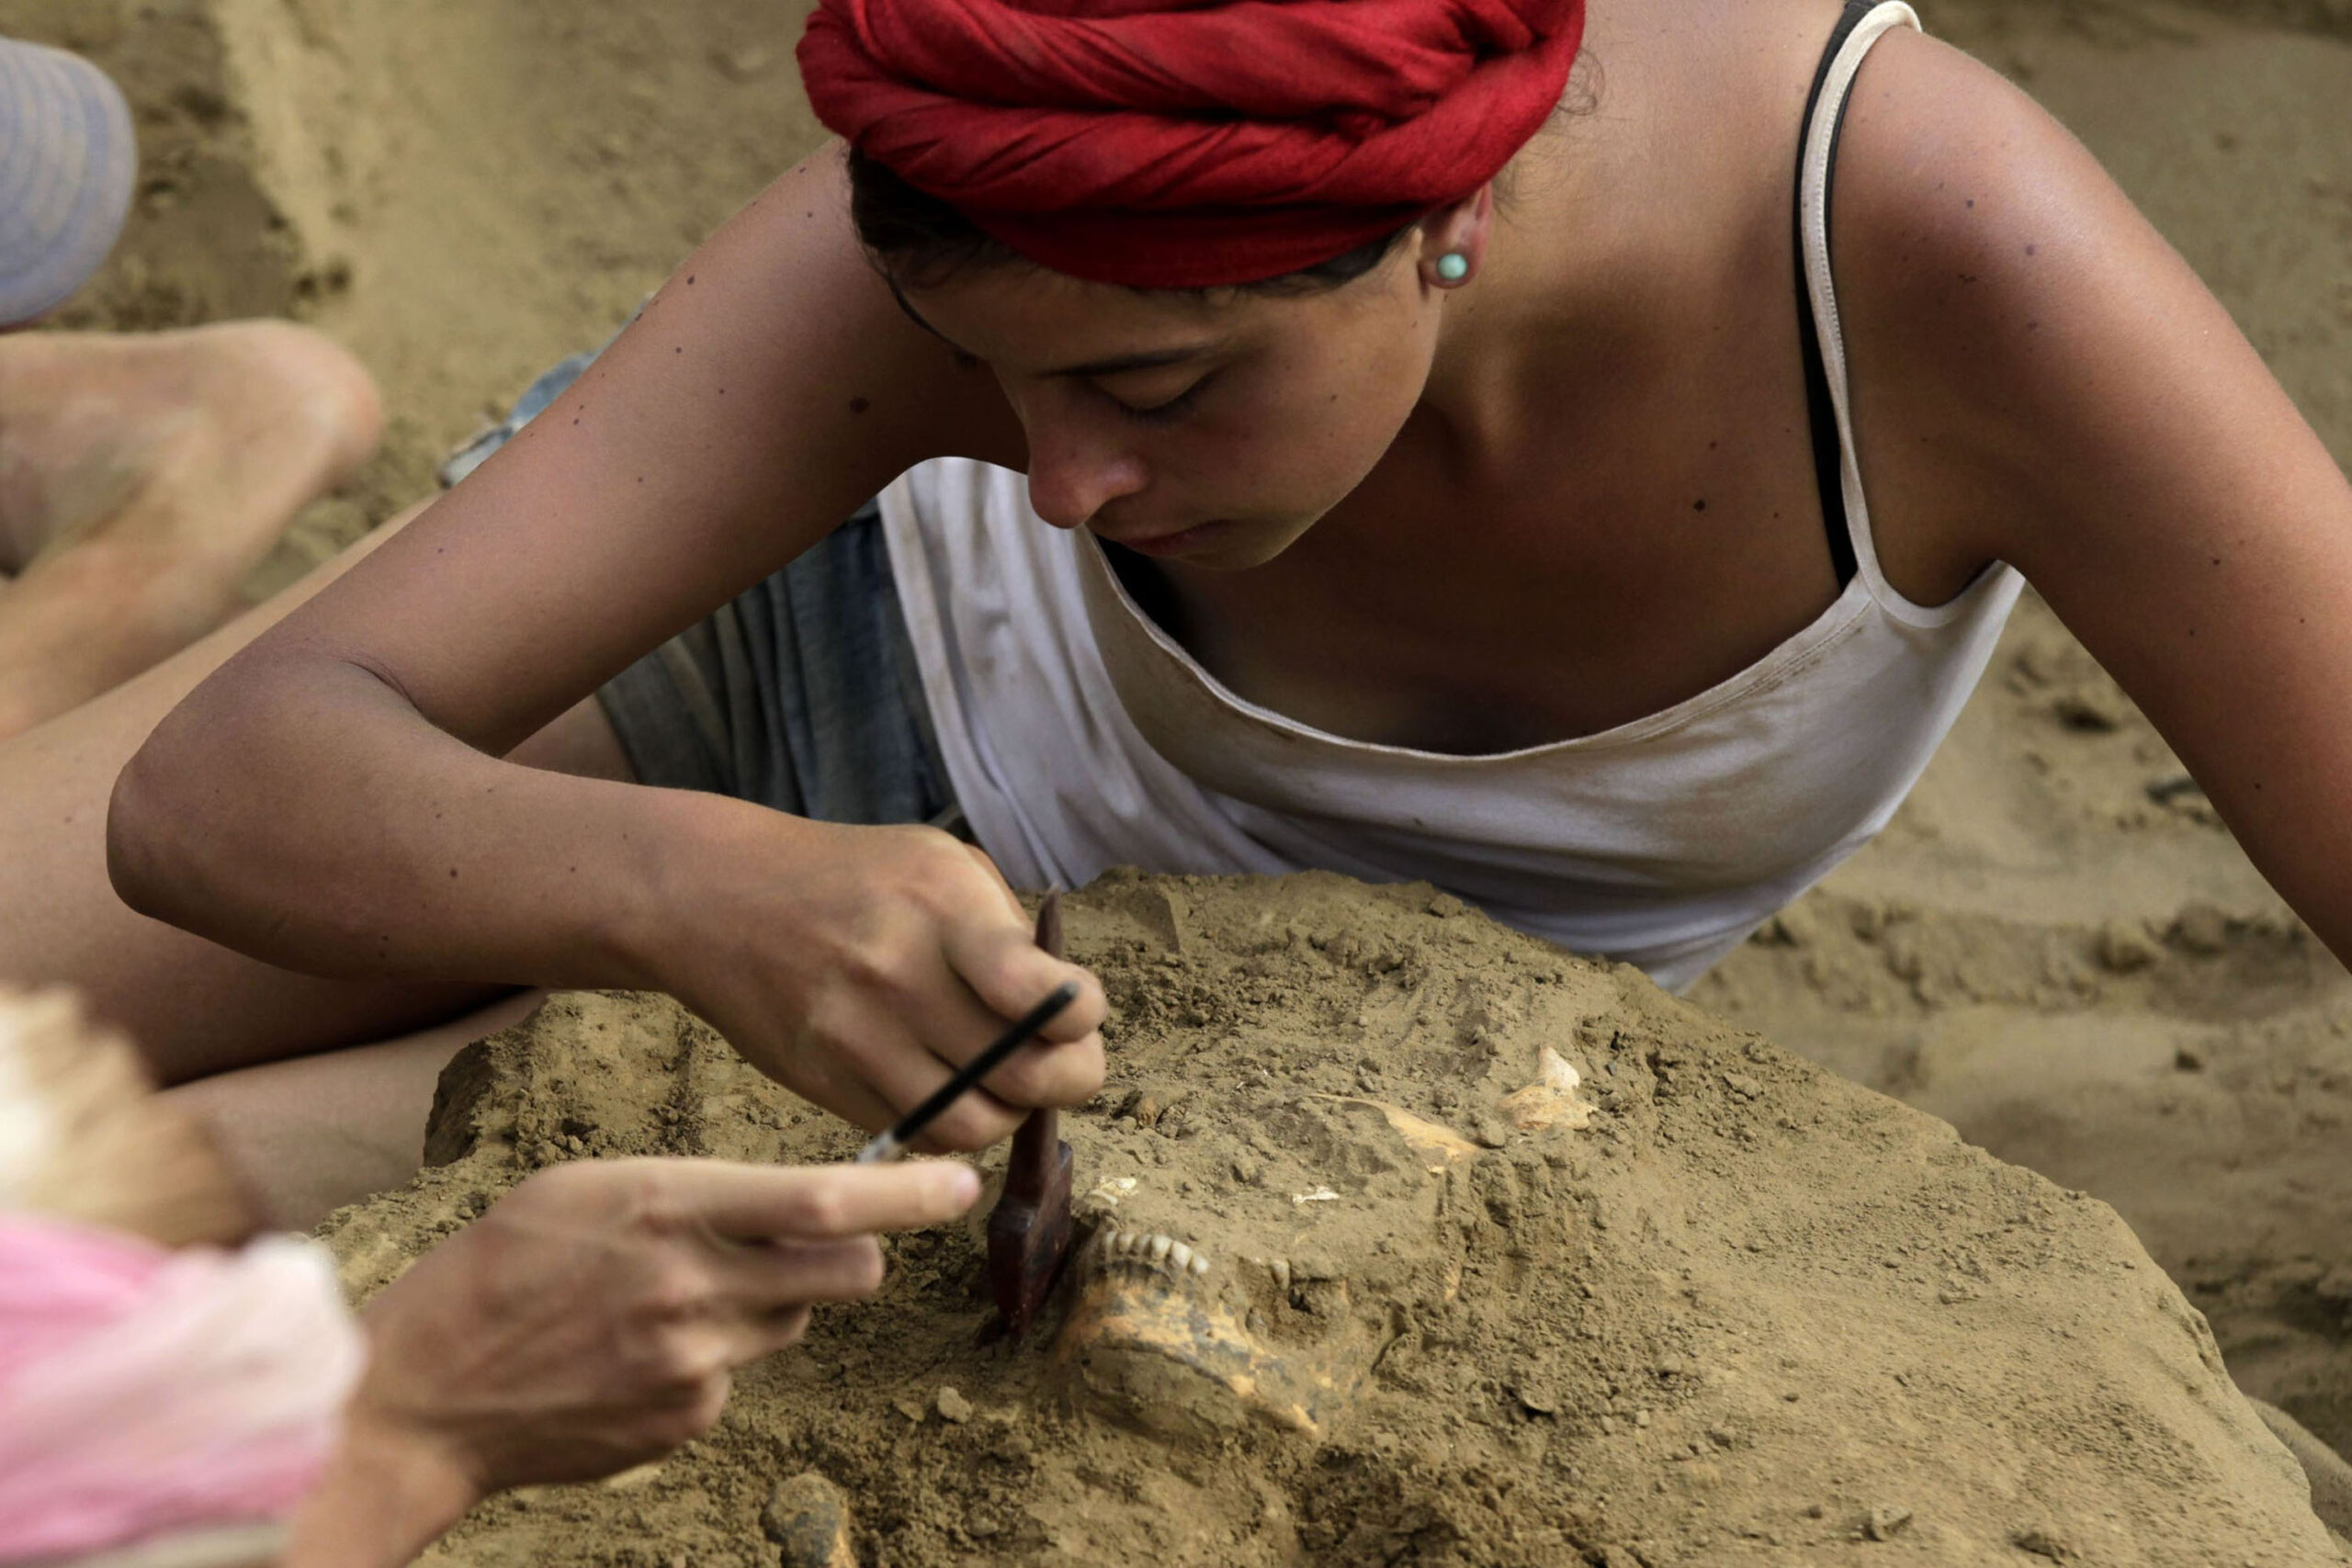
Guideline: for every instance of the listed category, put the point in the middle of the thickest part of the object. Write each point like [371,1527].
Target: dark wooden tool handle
[1036,1145]
[1049,924]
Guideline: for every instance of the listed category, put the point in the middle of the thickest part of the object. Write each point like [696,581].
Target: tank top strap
[1821,413]
[1861,27]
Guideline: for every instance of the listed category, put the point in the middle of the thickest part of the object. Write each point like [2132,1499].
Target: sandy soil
[1728,1309]
[462,192]
[2055,947]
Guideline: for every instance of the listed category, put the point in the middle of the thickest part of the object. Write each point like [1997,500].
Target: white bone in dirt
[1551,1100]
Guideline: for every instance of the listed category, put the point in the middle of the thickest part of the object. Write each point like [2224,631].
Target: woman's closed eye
[1164,411]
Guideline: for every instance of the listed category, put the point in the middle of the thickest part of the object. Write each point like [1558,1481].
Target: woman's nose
[1072,478]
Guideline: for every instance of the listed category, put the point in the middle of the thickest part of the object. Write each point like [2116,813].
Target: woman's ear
[1454,240]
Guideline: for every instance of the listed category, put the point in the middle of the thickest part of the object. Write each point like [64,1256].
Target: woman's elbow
[151,827]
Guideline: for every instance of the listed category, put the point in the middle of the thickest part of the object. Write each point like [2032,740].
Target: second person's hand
[589,1322]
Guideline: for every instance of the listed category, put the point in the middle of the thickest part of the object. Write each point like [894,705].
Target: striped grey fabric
[68,160]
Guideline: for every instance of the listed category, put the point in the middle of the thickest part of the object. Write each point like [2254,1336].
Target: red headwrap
[1187,143]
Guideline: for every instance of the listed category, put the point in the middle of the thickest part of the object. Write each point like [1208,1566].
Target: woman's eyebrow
[1115,365]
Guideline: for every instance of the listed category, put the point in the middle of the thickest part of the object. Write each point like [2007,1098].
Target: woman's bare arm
[2041,379]
[333,800]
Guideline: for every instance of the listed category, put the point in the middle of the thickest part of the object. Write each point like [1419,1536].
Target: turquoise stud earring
[1453,267]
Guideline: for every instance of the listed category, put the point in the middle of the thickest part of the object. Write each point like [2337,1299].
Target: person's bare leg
[141,477]
[139,481]
[311,1135]
[195,1008]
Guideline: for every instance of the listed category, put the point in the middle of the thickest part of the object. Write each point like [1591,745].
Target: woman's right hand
[860,967]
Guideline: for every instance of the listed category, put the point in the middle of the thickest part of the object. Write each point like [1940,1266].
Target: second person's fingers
[766,1277]
[763,1202]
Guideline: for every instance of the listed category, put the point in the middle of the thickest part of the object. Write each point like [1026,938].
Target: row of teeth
[1162,1250]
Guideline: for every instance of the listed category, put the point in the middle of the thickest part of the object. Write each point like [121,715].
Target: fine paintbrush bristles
[84,1138]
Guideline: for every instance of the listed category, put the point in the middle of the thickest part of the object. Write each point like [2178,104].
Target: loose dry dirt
[1750,1314]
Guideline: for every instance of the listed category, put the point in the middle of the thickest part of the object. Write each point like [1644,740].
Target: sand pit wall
[1745,1312]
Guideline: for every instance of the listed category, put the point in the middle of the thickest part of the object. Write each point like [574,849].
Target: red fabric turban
[1188,144]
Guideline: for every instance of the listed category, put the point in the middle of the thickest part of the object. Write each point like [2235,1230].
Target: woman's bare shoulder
[2006,305]
[1943,161]
[2038,377]
[789,284]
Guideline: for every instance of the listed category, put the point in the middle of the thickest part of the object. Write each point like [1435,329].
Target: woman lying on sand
[1439,463]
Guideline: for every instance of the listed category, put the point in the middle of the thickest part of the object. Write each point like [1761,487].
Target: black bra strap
[1822,413]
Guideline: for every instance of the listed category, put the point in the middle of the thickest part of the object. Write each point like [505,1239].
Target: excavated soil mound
[1747,1313]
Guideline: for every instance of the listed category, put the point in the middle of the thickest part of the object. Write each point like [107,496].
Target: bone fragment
[1551,1100]
[1424,1137]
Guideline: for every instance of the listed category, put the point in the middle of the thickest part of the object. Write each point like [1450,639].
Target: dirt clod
[809,1518]
[1884,1523]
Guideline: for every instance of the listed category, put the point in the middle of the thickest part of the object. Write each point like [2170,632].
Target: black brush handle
[889,1144]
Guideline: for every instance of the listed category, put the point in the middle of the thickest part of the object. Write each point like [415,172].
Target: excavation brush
[1029,1232]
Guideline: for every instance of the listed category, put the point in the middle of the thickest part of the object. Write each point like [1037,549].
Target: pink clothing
[144,1391]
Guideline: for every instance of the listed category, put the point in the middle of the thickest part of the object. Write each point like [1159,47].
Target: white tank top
[1079,735]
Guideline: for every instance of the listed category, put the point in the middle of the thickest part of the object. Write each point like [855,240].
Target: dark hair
[921,242]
